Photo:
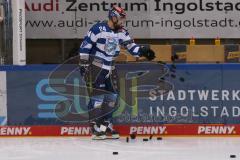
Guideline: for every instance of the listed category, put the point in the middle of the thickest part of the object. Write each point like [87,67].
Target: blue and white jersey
[102,43]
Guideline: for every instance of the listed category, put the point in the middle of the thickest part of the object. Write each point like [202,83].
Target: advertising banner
[125,130]
[19,34]
[149,93]
[69,19]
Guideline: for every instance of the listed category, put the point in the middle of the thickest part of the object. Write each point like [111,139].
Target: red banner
[125,130]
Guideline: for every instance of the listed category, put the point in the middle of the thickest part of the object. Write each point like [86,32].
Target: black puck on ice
[133,136]
[150,138]
[159,138]
[127,139]
[232,156]
[115,153]
[145,139]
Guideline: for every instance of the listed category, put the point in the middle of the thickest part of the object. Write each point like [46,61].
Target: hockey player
[98,51]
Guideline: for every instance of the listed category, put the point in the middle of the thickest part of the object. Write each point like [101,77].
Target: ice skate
[110,132]
[99,136]
[98,133]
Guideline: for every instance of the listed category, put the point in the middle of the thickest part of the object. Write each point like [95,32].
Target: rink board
[31,103]
[124,130]
[30,86]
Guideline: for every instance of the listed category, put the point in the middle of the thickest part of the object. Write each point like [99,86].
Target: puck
[159,138]
[232,156]
[145,139]
[115,153]
[133,136]
[150,137]
[127,139]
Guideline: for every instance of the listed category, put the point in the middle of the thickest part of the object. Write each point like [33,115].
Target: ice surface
[85,149]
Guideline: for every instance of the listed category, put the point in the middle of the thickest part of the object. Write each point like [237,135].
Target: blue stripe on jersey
[101,41]
[88,40]
[132,50]
[126,33]
[95,29]
[84,50]
[120,41]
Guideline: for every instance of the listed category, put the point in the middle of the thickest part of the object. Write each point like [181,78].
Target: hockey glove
[83,70]
[147,53]
[83,67]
